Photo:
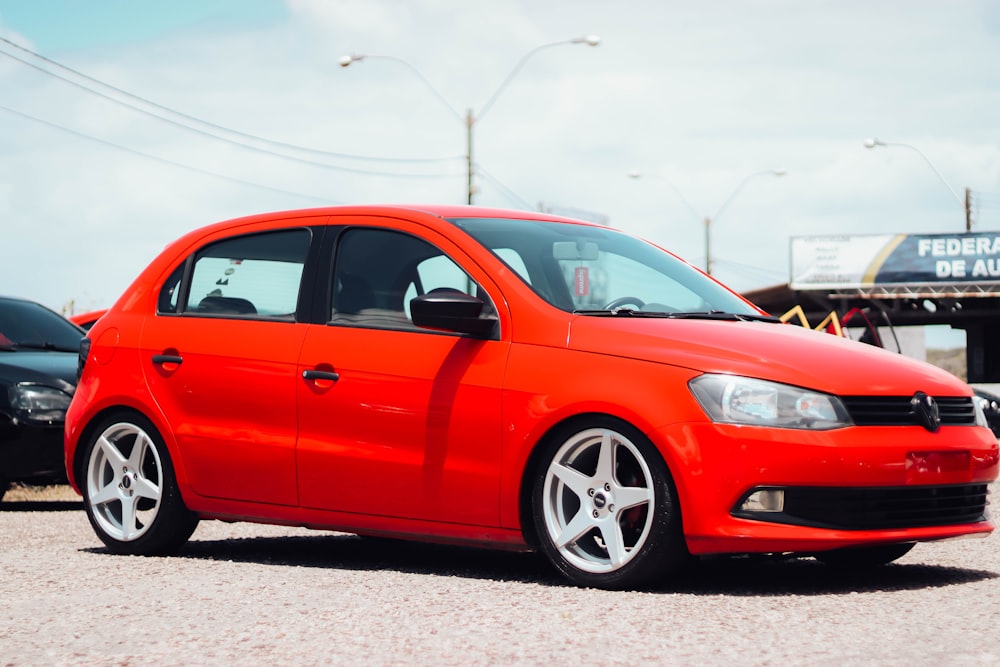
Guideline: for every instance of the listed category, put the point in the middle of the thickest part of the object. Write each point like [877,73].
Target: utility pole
[470,121]
[968,209]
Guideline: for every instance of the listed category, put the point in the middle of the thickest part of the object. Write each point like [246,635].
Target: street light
[470,118]
[708,219]
[870,144]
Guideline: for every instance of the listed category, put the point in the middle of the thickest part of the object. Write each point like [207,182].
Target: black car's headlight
[39,403]
[984,407]
[732,399]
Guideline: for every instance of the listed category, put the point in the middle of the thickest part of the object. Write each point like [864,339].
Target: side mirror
[451,310]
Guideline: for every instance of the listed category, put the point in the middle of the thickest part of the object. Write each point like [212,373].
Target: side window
[377,272]
[437,272]
[257,275]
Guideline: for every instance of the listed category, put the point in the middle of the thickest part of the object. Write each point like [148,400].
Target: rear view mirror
[579,250]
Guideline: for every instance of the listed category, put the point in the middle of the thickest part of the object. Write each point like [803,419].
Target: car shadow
[41,505]
[777,576]
[737,576]
[353,552]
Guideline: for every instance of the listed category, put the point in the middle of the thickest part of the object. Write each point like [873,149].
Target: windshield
[585,268]
[28,325]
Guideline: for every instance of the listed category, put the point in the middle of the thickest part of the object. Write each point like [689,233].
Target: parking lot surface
[264,594]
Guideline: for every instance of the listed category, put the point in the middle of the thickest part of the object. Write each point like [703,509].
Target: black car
[990,403]
[38,359]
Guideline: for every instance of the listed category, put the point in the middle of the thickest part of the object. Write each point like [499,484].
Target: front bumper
[32,454]
[846,487]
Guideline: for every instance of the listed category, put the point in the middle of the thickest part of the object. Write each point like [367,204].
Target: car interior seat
[354,294]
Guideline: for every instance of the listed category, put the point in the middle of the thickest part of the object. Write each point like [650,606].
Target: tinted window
[28,324]
[377,272]
[247,276]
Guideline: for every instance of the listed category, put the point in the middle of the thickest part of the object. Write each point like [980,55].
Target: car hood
[40,366]
[780,352]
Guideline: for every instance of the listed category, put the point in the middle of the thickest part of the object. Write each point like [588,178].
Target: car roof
[435,210]
[464,211]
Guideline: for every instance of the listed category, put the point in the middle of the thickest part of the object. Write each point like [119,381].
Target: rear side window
[257,275]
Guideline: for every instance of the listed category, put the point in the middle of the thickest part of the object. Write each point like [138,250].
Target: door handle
[313,374]
[161,359]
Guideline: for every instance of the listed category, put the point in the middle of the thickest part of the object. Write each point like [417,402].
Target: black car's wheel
[605,508]
[863,557]
[129,489]
[4,485]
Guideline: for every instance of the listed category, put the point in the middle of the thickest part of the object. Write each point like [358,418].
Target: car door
[395,420]
[221,361]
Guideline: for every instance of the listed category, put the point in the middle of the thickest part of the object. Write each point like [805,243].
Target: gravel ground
[261,595]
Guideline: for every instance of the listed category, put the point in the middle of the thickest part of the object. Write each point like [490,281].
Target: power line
[164,160]
[211,133]
[214,127]
[987,198]
[504,190]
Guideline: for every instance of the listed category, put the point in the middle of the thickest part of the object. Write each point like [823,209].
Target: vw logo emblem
[925,408]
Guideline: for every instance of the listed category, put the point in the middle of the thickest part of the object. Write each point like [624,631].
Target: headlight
[983,405]
[39,403]
[732,399]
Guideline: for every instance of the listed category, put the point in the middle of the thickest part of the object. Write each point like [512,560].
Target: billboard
[872,260]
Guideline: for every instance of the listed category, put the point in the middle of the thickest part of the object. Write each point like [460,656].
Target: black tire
[129,489]
[605,508]
[4,485]
[863,557]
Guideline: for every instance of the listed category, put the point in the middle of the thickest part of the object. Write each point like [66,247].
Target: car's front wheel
[605,508]
[129,489]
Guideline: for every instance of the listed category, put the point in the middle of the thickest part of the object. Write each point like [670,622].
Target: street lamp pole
[471,118]
[870,144]
[707,220]
[470,188]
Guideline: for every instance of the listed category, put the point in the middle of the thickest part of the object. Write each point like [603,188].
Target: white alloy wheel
[598,500]
[124,483]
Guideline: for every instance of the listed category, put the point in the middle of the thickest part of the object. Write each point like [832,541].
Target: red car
[506,379]
[86,320]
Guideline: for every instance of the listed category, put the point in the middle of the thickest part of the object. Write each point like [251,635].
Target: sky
[125,124]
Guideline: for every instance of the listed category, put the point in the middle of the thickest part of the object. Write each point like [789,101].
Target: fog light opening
[765,500]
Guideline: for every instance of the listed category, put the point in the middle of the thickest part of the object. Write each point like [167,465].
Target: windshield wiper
[723,315]
[44,345]
[694,315]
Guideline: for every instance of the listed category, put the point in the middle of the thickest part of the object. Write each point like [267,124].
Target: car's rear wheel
[863,557]
[129,489]
[605,508]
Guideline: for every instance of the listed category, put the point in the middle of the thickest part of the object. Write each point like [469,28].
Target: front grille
[855,508]
[897,410]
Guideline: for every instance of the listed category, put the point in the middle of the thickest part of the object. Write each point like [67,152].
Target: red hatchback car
[506,379]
